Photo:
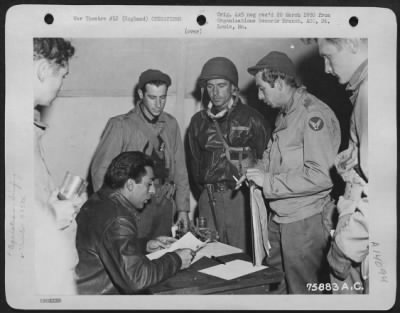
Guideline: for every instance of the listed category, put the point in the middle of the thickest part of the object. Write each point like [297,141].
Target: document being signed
[188,241]
[202,249]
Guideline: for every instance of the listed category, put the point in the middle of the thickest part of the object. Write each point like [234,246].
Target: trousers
[157,216]
[232,214]
[299,250]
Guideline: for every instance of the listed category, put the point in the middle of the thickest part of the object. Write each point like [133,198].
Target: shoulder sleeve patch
[316,123]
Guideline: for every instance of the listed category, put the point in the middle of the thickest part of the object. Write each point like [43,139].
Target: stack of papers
[259,225]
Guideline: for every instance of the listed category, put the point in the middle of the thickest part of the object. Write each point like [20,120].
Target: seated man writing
[111,257]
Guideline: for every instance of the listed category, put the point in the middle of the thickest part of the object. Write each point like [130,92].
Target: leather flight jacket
[111,258]
[213,160]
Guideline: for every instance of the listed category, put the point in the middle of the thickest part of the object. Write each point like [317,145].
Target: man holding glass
[55,226]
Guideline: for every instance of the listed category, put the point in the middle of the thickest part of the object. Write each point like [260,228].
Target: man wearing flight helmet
[224,139]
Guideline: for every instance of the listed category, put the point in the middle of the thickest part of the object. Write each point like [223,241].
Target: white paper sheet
[232,269]
[203,249]
[259,219]
[188,241]
[215,249]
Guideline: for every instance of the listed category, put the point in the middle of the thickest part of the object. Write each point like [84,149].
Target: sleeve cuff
[142,242]
[176,258]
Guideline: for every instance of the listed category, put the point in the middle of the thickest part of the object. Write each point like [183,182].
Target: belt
[221,186]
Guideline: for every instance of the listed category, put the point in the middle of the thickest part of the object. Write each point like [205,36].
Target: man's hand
[65,211]
[186,256]
[161,242]
[255,175]
[183,219]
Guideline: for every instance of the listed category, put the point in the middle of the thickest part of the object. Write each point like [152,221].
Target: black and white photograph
[210,156]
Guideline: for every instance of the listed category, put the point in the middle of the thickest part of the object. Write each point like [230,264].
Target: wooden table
[190,281]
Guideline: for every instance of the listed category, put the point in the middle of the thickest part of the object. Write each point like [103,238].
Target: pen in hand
[217,260]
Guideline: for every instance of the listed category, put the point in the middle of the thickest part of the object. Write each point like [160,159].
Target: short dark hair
[130,164]
[270,76]
[56,50]
[156,83]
